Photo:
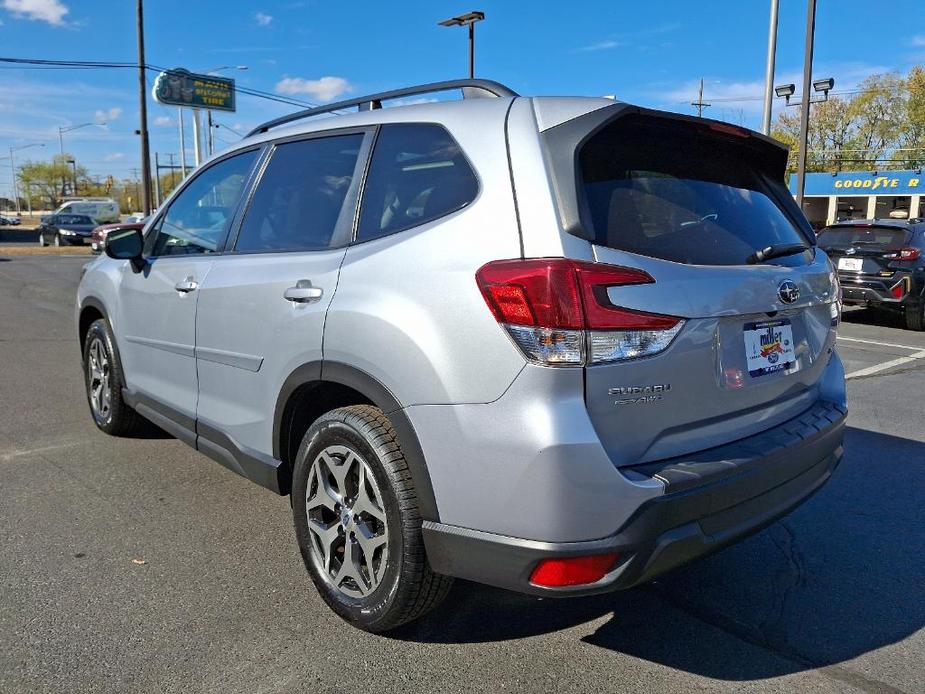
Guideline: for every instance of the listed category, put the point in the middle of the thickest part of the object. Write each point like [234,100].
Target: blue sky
[652,53]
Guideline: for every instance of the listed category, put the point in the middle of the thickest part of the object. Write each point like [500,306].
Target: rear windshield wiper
[778,251]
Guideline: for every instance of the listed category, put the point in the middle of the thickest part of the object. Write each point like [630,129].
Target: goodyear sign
[846,183]
[179,87]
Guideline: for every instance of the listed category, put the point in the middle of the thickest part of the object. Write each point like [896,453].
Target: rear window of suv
[679,193]
[843,237]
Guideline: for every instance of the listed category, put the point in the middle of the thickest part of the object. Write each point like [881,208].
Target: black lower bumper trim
[665,532]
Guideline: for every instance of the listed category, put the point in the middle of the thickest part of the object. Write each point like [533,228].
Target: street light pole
[468,20]
[804,100]
[769,69]
[72,128]
[13,171]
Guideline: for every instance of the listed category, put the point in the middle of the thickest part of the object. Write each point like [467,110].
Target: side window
[418,173]
[300,197]
[197,219]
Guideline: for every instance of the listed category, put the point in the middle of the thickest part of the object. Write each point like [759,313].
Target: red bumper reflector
[572,571]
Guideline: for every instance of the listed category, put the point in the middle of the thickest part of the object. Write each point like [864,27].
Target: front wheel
[103,378]
[42,239]
[358,524]
[56,241]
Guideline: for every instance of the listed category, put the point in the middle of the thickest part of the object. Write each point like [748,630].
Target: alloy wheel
[98,374]
[347,521]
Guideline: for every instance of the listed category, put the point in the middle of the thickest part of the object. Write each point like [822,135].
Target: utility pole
[197,139]
[157,181]
[700,103]
[13,174]
[769,69]
[182,141]
[143,105]
[210,141]
[172,168]
[804,99]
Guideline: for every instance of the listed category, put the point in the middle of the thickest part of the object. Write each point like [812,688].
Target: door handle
[303,292]
[186,286]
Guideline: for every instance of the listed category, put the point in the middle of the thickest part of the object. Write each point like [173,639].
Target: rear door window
[299,202]
[680,194]
[418,173]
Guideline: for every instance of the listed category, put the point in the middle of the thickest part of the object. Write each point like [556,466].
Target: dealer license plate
[850,264]
[769,347]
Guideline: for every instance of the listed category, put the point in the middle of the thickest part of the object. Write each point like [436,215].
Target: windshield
[683,195]
[848,236]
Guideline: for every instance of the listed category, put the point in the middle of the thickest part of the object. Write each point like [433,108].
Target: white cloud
[115,156]
[263,19]
[51,11]
[107,116]
[600,46]
[323,89]
[918,41]
[163,121]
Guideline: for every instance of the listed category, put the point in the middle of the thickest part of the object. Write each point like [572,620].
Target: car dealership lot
[137,564]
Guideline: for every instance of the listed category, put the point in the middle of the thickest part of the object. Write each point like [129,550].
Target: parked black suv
[881,263]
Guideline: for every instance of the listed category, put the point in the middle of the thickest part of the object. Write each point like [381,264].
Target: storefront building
[831,197]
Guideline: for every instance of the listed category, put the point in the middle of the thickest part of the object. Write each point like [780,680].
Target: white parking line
[881,344]
[886,365]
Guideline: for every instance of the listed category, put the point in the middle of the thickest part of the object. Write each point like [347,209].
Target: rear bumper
[872,289]
[712,499]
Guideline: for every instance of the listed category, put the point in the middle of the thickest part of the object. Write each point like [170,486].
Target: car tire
[915,316]
[56,241]
[103,383]
[350,472]
[42,240]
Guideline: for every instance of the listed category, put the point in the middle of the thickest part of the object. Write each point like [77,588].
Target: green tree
[883,124]
[49,182]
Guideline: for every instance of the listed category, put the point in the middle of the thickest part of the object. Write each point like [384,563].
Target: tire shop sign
[179,87]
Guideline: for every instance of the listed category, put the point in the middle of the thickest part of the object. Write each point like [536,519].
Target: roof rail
[470,87]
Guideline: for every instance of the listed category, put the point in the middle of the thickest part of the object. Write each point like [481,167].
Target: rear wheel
[358,524]
[103,378]
[915,316]
[42,239]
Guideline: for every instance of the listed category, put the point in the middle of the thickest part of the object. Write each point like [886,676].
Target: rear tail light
[899,289]
[558,312]
[908,254]
[572,571]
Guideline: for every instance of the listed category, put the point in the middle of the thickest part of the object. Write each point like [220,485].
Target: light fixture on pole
[71,128]
[468,19]
[785,91]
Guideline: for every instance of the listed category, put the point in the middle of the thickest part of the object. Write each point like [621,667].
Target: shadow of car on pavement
[841,576]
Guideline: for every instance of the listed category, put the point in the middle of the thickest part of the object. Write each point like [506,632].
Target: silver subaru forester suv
[556,345]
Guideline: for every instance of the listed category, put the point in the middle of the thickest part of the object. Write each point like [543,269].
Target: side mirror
[126,244]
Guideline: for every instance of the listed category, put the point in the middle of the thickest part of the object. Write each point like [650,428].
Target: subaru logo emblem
[788,291]
[851,251]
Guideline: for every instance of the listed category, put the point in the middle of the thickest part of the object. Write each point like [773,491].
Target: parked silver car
[557,345]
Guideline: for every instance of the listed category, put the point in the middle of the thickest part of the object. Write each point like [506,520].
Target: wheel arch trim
[328,371]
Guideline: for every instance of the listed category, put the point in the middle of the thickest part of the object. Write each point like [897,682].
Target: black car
[881,264]
[66,230]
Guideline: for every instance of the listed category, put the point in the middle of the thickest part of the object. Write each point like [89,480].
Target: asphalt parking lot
[139,565]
